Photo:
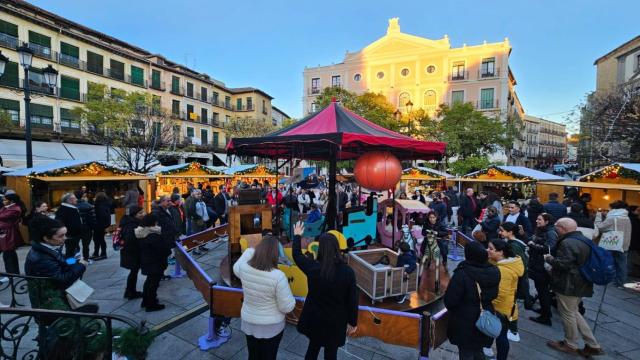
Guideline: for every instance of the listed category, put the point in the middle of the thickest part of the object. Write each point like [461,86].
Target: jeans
[150,290]
[470,354]
[502,343]
[620,263]
[573,323]
[11,264]
[263,349]
[100,246]
[542,282]
[330,352]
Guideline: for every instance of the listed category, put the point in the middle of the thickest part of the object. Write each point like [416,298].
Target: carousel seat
[311,230]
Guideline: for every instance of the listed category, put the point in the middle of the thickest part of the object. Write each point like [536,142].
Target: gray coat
[569,255]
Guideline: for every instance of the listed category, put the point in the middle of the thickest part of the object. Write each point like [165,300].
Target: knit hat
[475,252]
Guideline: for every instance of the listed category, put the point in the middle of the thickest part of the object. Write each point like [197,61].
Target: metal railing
[9,41]
[459,76]
[71,61]
[313,91]
[244,107]
[487,104]
[131,81]
[177,90]
[489,74]
[42,51]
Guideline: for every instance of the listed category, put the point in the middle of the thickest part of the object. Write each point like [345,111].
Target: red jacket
[10,237]
[274,202]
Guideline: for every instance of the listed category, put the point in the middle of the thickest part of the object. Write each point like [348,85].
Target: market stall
[602,194]
[424,179]
[617,173]
[181,176]
[250,172]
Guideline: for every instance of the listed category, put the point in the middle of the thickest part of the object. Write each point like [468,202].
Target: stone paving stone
[198,354]
[192,330]
[168,346]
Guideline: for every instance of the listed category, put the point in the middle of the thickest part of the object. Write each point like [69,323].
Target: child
[407,259]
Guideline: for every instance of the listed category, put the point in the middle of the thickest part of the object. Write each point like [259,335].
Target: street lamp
[26,55]
[409,106]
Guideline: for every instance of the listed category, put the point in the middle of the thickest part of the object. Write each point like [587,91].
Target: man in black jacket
[220,202]
[554,208]
[88,217]
[169,232]
[469,211]
[69,215]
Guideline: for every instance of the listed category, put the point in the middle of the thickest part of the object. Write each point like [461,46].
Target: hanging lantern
[378,170]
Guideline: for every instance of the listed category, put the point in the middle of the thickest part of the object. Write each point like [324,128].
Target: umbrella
[333,134]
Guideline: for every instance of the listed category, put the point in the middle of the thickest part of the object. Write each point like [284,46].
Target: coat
[463,303]
[540,244]
[569,255]
[466,209]
[130,252]
[10,237]
[69,215]
[555,209]
[490,226]
[153,250]
[526,225]
[267,295]
[87,215]
[440,208]
[167,224]
[220,201]
[178,213]
[103,213]
[581,220]
[511,269]
[622,223]
[330,305]
[408,260]
[533,210]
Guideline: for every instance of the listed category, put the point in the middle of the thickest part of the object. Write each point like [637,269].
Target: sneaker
[562,346]
[488,352]
[515,337]
[223,331]
[589,351]
[402,299]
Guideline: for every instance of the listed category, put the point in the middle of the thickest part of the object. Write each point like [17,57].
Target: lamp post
[51,78]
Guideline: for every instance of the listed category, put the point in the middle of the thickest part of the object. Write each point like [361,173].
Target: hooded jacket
[463,303]
[153,250]
[621,223]
[511,269]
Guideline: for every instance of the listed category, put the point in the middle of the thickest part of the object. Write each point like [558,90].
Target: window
[488,67]
[10,77]
[430,100]
[155,79]
[380,75]
[69,55]
[457,71]
[190,132]
[68,121]
[40,44]
[215,117]
[249,103]
[227,119]
[155,105]
[69,88]
[203,94]
[204,115]
[204,136]
[239,104]
[8,34]
[315,85]
[41,115]
[190,114]
[94,63]
[486,98]
[189,89]
[175,85]
[214,98]
[431,69]
[357,77]
[36,80]
[12,108]
[335,80]
[157,129]
[264,107]
[457,97]
[403,99]
[404,72]
[137,76]
[175,107]
[216,139]
[227,102]
[117,70]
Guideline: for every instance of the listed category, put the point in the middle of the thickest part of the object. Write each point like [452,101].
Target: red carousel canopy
[312,138]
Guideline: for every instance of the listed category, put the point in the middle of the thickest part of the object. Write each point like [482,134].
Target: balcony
[313,91]
[215,122]
[177,90]
[39,88]
[228,106]
[114,74]
[42,51]
[488,104]
[157,85]
[243,107]
[459,76]
[488,74]
[9,41]
[95,69]
[71,61]
[141,83]
[215,101]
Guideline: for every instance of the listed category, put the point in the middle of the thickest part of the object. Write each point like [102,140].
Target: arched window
[403,99]
[430,100]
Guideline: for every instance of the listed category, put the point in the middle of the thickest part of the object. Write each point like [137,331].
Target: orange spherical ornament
[378,170]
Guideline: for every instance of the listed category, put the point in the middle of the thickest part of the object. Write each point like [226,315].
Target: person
[153,260]
[469,210]
[554,208]
[130,252]
[169,232]
[267,298]
[303,201]
[490,223]
[330,310]
[634,246]
[511,269]
[177,211]
[480,237]
[314,215]
[417,195]
[534,208]
[570,253]
[273,197]
[403,196]
[40,209]
[196,212]
[584,199]
[617,219]
[432,224]
[69,216]
[454,203]
[103,221]
[577,214]
[540,244]
[88,217]
[343,199]
[10,238]
[439,208]
[408,260]
[130,197]
[518,218]
[221,201]
[140,197]
[474,282]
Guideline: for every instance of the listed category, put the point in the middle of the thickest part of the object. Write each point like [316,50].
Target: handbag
[488,323]
[78,293]
[612,240]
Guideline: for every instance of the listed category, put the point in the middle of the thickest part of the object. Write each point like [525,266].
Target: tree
[132,125]
[373,107]
[288,122]
[469,132]
[248,127]
[469,164]
[6,123]
[419,125]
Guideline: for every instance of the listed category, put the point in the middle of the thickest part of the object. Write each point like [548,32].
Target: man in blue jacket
[554,208]
[517,217]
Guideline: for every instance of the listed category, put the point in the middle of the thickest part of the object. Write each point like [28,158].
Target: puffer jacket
[153,250]
[267,296]
[511,269]
[621,223]
[130,253]
[569,255]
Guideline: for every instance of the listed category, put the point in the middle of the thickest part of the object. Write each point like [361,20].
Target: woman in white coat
[267,298]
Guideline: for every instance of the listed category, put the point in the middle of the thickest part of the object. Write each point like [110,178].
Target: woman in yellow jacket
[511,269]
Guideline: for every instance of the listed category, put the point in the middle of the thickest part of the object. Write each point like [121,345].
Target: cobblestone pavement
[617,330]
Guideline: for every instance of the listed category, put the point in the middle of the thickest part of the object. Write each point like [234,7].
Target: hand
[548,258]
[478,221]
[83,262]
[298,228]
[351,330]
[530,243]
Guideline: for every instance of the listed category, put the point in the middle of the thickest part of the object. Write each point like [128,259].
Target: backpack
[117,239]
[599,267]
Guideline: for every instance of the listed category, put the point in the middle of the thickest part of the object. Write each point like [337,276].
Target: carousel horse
[431,254]
[408,238]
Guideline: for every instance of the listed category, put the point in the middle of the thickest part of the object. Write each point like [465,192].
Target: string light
[612,172]
[493,171]
[92,168]
[192,167]
[257,170]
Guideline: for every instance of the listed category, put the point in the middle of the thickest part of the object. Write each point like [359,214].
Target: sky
[267,44]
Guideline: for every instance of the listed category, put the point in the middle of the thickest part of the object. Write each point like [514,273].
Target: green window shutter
[189,89]
[41,110]
[155,79]
[6,104]
[69,50]
[239,104]
[10,77]
[39,39]
[204,115]
[175,107]
[94,62]
[204,136]
[486,98]
[137,75]
[117,69]
[69,88]
[190,132]
[216,139]
[8,28]
[457,97]
[189,111]
[175,84]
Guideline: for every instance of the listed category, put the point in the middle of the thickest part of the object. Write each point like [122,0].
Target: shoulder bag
[488,323]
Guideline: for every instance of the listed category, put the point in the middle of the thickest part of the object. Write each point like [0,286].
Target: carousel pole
[332,208]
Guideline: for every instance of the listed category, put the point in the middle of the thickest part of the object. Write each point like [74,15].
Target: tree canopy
[242,127]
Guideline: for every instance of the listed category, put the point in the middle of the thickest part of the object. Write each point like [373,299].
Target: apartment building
[278,116]
[84,57]
[618,67]
[531,131]
[552,141]
[425,72]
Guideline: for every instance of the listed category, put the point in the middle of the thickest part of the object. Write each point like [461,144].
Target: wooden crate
[379,282]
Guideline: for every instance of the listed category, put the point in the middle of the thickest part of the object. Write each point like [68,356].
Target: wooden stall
[602,194]
[424,179]
[250,172]
[180,176]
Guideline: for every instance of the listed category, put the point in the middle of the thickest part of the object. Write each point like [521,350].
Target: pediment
[403,43]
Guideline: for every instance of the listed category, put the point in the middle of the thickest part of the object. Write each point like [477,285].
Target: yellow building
[620,66]
[83,56]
